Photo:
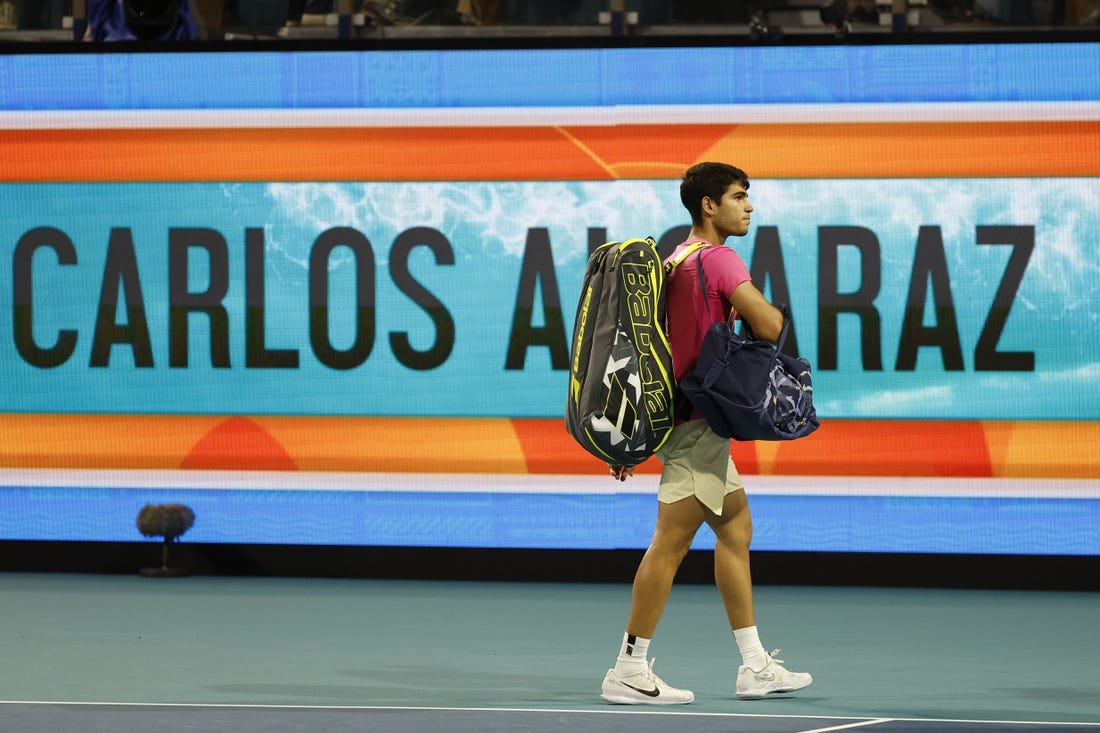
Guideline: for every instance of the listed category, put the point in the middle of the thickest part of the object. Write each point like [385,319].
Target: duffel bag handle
[748,327]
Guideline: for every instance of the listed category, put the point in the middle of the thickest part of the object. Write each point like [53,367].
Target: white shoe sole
[779,691]
[630,700]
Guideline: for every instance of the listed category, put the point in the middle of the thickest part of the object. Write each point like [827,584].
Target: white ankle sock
[632,654]
[753,655]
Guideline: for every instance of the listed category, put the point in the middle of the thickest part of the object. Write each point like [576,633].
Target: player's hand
[621,472]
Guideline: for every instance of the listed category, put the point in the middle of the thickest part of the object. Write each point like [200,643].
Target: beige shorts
[697,463]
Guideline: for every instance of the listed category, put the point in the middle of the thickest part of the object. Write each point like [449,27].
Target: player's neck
[708,234]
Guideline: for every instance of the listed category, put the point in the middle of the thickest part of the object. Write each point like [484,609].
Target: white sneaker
[752,685]
[643,688]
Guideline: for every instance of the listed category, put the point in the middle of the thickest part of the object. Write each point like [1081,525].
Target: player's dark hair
[710,180]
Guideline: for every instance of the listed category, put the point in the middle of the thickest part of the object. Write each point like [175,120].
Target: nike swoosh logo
[648,693]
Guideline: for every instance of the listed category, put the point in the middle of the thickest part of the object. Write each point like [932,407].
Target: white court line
[615,710]
[619,710]
[859,724]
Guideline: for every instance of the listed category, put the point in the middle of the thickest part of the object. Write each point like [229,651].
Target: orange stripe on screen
[913,448]
[582,153]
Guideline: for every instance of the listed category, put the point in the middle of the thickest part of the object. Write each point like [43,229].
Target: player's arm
[764,318]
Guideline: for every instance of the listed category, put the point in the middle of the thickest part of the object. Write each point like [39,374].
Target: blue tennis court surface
[99,654]
[25,717]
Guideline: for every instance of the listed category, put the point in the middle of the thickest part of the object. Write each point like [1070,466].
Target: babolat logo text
[640,280]
[579,336]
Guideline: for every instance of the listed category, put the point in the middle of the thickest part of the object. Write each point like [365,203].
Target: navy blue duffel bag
[748,389]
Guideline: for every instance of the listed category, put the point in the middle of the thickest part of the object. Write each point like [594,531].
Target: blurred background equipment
[168,521]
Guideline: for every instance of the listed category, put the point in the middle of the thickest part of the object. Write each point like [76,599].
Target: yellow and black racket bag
[621,382]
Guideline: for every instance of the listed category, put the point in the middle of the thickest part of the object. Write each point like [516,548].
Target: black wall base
[1007,572]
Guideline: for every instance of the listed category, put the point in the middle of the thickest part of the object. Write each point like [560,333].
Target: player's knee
[736,535]
[673,546]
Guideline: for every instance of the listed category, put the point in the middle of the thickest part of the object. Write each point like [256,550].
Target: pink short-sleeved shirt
[688,321]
